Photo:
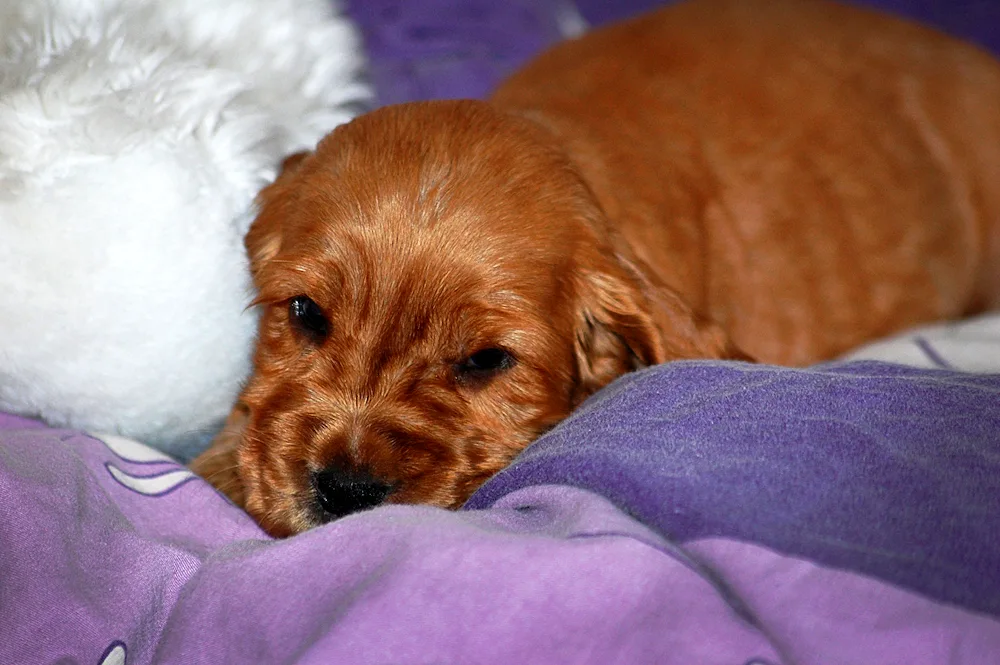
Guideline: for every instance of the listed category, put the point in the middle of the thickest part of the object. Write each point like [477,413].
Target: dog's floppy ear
[263,240]
[626,322]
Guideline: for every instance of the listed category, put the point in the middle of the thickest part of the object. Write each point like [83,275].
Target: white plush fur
[134,135]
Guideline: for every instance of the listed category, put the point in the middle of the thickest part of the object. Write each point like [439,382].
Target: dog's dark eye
[484,364]
[307,318]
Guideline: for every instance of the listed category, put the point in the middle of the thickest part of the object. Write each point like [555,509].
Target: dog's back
[807,175]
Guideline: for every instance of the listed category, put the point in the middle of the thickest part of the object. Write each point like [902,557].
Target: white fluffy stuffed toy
[134,135]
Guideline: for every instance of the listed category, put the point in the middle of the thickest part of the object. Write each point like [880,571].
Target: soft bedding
[694,512]
[697,512]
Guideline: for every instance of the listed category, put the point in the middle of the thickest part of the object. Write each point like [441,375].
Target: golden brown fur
[780,180]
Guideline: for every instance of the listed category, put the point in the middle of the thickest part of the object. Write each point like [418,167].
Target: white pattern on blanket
[971,345]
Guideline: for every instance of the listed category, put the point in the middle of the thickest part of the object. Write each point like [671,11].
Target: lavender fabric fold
[881,469]
[112,554]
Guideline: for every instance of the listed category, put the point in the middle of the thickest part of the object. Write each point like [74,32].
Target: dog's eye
[484,364]
[308,319]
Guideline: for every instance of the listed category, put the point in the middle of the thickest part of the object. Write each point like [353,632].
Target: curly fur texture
[134,135]
[783,179]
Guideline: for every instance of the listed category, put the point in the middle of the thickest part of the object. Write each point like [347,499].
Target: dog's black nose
[341,491]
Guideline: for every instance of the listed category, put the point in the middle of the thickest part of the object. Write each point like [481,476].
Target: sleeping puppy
[442,282]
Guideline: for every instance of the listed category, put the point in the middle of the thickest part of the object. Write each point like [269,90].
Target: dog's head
[438,288]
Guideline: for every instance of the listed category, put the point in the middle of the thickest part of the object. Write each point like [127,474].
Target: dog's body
[807,176]
[442,282]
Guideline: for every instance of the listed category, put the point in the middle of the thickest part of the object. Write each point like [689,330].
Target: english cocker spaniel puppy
[442,282]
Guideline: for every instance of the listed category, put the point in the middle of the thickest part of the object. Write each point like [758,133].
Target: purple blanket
[855,526]
[881,469]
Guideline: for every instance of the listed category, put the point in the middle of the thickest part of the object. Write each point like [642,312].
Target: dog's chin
[283,514]
[295,507]
[282,517]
